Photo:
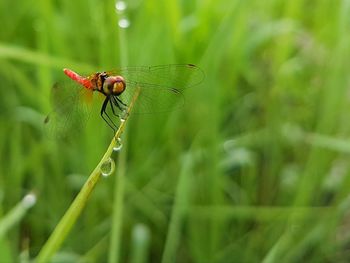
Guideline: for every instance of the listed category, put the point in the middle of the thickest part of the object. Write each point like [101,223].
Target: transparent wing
[160,86]
[153,100]
[179,76]
[71,109]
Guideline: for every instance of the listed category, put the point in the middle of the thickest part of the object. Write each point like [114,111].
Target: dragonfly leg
[103,113]
[120,101]
[114,113]
[121,107]
[116,102]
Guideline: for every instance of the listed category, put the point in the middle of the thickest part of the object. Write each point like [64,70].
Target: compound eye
[114,85]
[119,85]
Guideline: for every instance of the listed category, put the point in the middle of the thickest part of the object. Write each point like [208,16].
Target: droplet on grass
[120,6]
[118,145]
[107,167]
[123,23]
[29,200]
[124,115]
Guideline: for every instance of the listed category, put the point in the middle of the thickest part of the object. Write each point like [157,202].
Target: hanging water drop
[118,145]
[123,23]
[107,167]
[120,6]
[124,115]
[29,200]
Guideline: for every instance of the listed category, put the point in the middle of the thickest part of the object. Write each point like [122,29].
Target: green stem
[70,217]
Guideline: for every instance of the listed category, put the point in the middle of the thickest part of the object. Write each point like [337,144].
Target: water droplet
[118,145]
[123,23]
[120,6]
[124,115]
[29,200]
[107,167]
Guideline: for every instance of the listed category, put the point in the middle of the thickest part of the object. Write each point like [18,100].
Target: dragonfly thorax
[113,85]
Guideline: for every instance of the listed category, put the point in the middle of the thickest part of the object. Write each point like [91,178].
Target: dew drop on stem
[120,6]
[107,167]
[123,23]
[118,145]
[29,200]
[124,115]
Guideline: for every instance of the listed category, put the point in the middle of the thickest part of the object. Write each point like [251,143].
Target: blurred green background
[254,168]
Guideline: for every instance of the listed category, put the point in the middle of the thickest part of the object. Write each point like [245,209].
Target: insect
[160,90]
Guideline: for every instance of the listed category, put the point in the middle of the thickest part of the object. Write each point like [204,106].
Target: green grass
[255,166]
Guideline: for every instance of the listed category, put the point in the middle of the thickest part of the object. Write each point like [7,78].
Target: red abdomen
[76,77]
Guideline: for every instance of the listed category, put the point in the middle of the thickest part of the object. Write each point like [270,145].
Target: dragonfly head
[114,85]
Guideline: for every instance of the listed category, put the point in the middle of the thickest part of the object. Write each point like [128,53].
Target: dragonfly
[160,90]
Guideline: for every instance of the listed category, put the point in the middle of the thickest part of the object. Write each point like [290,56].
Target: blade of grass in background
[116,247]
